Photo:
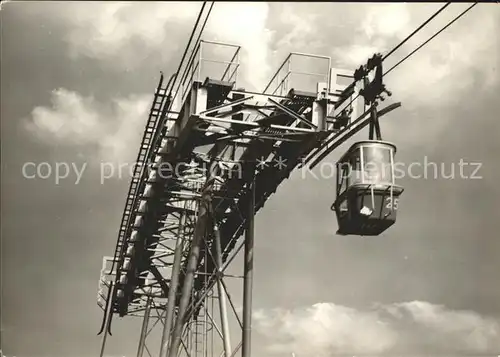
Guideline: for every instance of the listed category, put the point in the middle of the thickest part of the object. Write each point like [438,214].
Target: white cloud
[244,24]
[459,64]
[82,122]
[302,24]
[104,32]
[456,66]
[326,329]
[449,66]
[386,20]
[108,31]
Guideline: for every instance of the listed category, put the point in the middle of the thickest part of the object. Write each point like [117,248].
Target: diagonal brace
[292,113]
[224,106]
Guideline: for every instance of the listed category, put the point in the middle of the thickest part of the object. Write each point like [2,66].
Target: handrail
[236,53]
[275,74]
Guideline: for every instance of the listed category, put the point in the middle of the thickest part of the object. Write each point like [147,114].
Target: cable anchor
[373,90]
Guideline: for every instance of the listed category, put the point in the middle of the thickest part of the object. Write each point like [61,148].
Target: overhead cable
[416,30]
[431,38]
[332,137]
[422,45]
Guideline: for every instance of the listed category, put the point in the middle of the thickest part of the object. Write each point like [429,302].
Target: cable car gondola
[367,197]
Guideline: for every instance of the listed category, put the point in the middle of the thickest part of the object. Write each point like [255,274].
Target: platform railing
[195,70]
[282,79]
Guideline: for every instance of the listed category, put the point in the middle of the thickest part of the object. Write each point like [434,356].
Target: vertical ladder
[199,336]
[147,139]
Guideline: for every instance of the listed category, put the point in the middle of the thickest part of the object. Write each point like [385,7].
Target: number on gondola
[392,203]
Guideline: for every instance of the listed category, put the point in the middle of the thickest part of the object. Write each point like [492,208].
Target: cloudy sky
[77,80]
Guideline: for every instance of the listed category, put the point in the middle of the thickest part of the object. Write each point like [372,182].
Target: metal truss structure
[205,167]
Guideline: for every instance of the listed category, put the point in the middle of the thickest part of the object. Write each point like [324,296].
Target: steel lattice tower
[202,176]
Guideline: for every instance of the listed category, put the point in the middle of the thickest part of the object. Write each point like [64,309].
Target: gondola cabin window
[356,166]
[378,165]
[343,171]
